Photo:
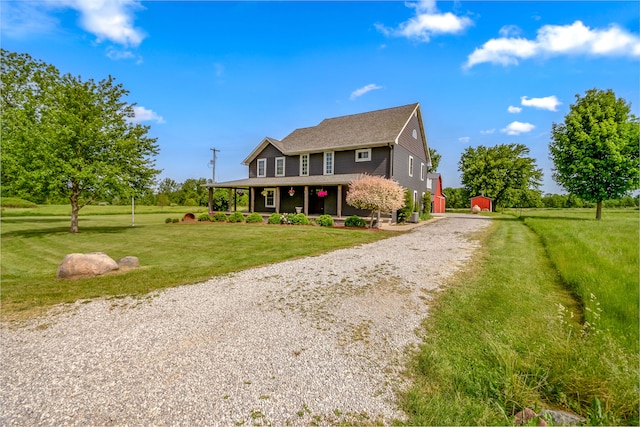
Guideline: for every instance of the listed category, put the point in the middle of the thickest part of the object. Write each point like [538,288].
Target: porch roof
[287,181]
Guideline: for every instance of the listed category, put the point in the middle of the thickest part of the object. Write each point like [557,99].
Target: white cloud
[368,88]
[427,22]
[464,139]
[516,128]
[510,31]
[488,132]
[109,19]
[554,40]
[145,115]
[514,110]
[547,103]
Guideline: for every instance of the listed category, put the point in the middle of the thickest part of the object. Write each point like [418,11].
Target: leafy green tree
[499,172]
[435,159]
[595,151]
[64,137]
[457,198]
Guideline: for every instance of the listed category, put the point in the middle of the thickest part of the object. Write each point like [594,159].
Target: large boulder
[128,262]
[85,265]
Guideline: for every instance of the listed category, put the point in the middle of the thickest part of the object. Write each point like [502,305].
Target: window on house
[422,170]
[363,155]
[328,163]
[269,197]
[415,200]
[262,168]
[279,166]
[429,183]
[410,165]
[304,165]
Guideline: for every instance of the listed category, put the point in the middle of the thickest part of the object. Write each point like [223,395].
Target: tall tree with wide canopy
[503,173]
[595,150]
[64,137]
[435,159]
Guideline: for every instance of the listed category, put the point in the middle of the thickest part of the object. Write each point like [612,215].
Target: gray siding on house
[401,170]
[270,153]
[345,162]
[413,145]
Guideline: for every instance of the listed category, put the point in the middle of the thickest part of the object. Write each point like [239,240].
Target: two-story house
[310,169]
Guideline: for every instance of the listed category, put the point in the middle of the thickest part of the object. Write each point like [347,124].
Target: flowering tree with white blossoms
[376,194]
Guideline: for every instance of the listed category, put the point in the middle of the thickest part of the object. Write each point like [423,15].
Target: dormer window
[304,165]
[262,168]
[363,155]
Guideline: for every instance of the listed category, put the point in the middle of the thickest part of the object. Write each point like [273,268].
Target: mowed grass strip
[170,254]
[502,338]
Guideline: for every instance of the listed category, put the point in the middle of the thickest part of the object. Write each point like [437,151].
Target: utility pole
[213,163]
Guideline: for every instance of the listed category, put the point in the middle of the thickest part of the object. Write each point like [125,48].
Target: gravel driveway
[313,341]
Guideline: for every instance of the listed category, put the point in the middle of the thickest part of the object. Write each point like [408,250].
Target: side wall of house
[410,144]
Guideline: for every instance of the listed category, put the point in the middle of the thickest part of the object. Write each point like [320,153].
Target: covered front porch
[311,195]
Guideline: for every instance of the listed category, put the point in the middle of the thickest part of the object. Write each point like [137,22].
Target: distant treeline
[458,198]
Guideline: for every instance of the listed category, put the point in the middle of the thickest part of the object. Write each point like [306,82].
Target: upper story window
[363,155]
[415,134]
[304,165]
[279,166]
[410,165]
[262,168]
[422,170]
[429,183]
[328,163]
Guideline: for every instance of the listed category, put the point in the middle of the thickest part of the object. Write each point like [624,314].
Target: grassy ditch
[170,254]
[518,330]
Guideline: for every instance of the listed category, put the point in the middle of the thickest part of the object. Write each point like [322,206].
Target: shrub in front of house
[300,219]
[175,220]
[168,220]
[236,217]
[204,217]
[254,218]
[219,217]
[325,221]
[355,221]
[288,218]
[274,218]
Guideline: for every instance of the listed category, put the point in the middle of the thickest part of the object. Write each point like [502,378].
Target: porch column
[339,200]
[210,200]
[306,200]
[252,196]
[277,199]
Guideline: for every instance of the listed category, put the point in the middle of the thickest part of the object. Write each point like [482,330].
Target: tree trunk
[599,210]
[75,209]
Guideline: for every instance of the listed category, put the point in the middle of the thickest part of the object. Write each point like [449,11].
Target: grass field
[546,317]
[171,254]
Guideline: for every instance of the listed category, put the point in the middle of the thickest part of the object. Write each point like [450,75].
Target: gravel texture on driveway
[319,340]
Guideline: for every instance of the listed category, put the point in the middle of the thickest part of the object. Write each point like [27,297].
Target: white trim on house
[304,165]
[262,162]
[280,170]
[410,165]
[328,163]
[422,170]
[271,194]
[363,155]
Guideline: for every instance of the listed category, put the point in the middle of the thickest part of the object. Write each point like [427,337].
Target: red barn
[438,200]
[484,203]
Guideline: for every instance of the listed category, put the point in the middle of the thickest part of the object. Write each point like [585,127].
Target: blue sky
[210,74]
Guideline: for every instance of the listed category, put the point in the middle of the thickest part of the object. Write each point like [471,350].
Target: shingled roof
[374,128]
